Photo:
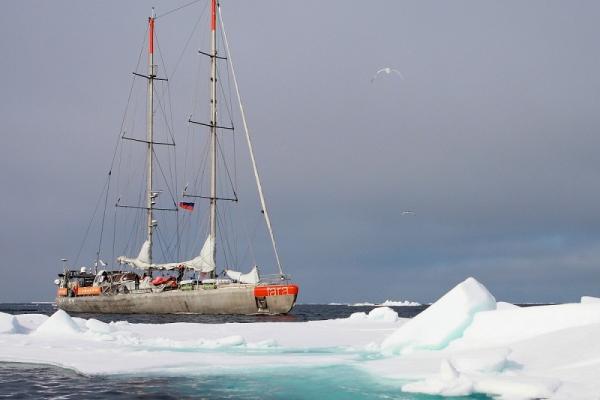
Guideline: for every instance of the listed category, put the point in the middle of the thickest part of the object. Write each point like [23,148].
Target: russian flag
[186,206]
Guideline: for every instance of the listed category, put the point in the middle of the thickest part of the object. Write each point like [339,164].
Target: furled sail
[142,261]
[205,262]
[250,277]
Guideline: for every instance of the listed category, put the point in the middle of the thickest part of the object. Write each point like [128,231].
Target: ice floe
[59,324]
[387,303]
[464,343]
[443,321]
[589,299]
[9,324]
[376,314]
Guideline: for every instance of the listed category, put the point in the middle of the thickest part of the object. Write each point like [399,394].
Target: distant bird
[408,213]
[388,71]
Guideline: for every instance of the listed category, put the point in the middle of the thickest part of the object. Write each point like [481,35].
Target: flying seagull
[408,212]
[388,71]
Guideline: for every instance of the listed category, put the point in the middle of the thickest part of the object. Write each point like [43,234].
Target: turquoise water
[335,383]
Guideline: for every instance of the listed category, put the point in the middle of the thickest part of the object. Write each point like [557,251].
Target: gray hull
[225,300]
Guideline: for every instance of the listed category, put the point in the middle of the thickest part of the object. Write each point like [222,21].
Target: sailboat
[145,286]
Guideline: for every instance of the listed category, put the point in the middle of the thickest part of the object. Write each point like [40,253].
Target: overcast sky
[491,138]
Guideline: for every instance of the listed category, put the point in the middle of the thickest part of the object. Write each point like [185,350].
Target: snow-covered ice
[443,321]
[464,343]
[589,299]
[376,314]
[387,303]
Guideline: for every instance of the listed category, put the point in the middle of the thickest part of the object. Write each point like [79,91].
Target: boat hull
[224,300]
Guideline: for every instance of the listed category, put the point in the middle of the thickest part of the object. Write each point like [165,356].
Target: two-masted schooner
[149,287]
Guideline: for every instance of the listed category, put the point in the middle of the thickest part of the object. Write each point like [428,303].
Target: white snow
[501,305]
[449,382]
[464,343]
[387,303]
[589,299]
[404,303]
[376,314]
[443,321]
[9,324]
[59,324]
[510,352]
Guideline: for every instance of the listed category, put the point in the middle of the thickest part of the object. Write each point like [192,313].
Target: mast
[150,196]
[213,126]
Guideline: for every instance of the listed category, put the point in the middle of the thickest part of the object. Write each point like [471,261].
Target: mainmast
[150,195]
[213,126]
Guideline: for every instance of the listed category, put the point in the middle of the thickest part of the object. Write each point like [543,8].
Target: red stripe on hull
[275,290]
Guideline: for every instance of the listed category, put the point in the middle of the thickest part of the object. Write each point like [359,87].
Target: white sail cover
[205,262]
[250,277]
[142,261]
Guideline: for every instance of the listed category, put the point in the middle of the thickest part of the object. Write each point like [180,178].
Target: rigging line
[170,241]
[113,257]
[135,224]
[172,139]
[160,243]
[222,238]
[226,168]
[165,118]
[164,177]
[233,138]
[128,99]
[102,224]
[233,238]
[160,54]
[197,85]
[170,99]
[186,228]
[227,103]
[176,237]
[91,222]
[177,215]
[236,243]
[189,39]
[202,168]
[185,154]
[250,247]
[118,144]
[249,142]
[177,9]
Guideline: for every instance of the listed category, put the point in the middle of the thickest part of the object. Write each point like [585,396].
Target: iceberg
[59,324]
[387,303]
[376,314]
[444,321]
[405,303]
[9,324]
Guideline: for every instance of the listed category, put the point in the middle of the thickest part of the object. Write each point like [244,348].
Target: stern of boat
[276,298]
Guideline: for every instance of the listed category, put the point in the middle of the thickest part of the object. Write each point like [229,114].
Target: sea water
[27,381]
[330,382]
